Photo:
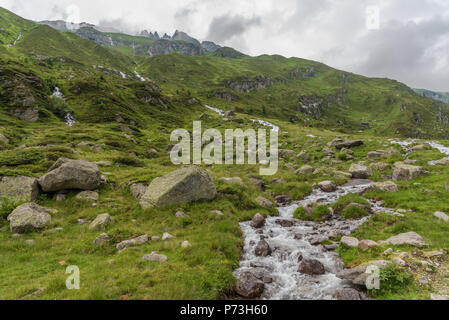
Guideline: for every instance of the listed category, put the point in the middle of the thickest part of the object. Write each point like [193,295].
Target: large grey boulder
[67,174]
[19,188]
[29,217]
[187,184]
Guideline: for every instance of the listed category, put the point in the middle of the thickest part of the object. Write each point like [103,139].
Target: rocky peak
[182,36]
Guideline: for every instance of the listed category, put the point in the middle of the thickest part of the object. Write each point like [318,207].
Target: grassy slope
[203,271]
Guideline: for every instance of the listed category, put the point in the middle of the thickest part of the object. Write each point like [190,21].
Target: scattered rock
[180,214]
[138,190]
[365,245]
[350,242]
[167,236]
[311,267]
[406,172]
[305,170]
[19,188]
[30,243]
[387,186]
[410,238]
[441,216]
[185,244]
[399,262]
[88,195]
[235,180]
[61,197]
[248,286]
[132,243]
[29,217]
[327,186]
[348,144]
[187,184]
[359,171]
[154,257]
[102,239]
[155,238]
[258,221]
[67,174]
[101,222]
[264,203]
[262,249]
[347,294]
[380,166]
[388,251]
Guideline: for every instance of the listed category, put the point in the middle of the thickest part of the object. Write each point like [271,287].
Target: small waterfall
[69,119]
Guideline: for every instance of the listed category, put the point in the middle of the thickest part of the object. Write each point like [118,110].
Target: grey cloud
[409,52]
[226,27]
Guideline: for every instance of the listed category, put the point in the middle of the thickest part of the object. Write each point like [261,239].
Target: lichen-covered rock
[67,174]
[387,186]
[409,238]
[132,243]
[187,184]
[101,222]
[155,257]
[138,190]
[29,217]
[304,170]
[406,172]
[19,188]
[265,203]
[102,239]
[359,171]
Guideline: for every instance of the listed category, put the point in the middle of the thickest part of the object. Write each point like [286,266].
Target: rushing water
[302,238]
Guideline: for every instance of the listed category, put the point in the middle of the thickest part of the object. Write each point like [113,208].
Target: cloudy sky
[407,40]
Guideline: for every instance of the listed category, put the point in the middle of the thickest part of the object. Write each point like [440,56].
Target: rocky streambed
[275,253]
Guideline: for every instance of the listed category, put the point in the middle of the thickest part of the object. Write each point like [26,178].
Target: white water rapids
[302,238]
